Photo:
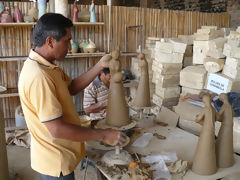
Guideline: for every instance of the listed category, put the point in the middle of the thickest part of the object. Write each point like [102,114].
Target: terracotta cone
[142,98]
[117,109]
[224,143]
[204,162]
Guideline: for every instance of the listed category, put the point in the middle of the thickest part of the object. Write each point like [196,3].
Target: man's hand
[104,61]
[103,104]
[113,137]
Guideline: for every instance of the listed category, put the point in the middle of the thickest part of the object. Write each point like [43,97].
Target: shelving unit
[69,56]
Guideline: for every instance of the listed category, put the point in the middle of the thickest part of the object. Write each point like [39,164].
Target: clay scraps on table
[159,136]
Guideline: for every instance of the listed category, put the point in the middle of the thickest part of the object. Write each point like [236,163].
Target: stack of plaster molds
[231,70]
[192,79]
[188,55]
[166,67]
[208,42]
[232,51]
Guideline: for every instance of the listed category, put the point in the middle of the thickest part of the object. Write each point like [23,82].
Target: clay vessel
[92,12]
[33,12]
[204,162]
[18,17]
[75,13]
[2,7]
[117,110]
[74,47]
[6,17]
[42,5]
[142,98]
[224,143]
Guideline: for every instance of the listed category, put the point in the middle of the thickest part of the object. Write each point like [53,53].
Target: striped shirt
[94,93]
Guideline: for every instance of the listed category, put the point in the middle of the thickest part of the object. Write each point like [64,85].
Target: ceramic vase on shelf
[74,47]
[18,17]
[75,13]
[61,7]
[6,17]
[41,7]
[2,7]
[92,12]
[33,12]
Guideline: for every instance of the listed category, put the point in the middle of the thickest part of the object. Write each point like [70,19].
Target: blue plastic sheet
[234,100]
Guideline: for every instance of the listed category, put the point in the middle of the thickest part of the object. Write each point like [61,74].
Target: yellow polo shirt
[44,95]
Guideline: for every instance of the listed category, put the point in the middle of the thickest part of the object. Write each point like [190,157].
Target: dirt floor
[20,169]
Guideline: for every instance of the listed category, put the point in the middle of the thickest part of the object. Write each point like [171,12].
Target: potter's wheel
[100,146]
[115,157]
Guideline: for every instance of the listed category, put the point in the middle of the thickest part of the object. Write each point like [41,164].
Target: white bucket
[19,117]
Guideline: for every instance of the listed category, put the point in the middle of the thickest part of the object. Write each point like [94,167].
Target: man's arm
[60,129]
[82,81]
[95,108]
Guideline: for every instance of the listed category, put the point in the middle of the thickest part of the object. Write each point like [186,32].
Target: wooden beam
[146,3]
[114,2]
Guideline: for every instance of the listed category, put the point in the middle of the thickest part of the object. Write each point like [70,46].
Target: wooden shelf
[16,24]
[78,55]
[69,56]
[75,55]
[87,23]
[128,53]
[8,95]
[33,23]
[13,58]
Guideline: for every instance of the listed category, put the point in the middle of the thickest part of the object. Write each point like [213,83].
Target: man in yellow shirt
[57,144]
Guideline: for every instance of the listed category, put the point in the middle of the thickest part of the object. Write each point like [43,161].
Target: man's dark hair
[50,24]
[106,71]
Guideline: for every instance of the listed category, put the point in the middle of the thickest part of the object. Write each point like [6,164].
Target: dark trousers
[67,177]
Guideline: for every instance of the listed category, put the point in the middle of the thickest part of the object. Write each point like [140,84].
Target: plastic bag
[167,157]
[234,100]
[143,140]
[160,170]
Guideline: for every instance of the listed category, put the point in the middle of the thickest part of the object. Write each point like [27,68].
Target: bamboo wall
[16,41]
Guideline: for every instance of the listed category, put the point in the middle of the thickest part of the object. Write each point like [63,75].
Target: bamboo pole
[3,151]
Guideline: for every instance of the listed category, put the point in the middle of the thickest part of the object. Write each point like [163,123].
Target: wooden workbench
[177,140]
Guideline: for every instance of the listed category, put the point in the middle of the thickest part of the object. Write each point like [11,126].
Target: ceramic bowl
[89,50]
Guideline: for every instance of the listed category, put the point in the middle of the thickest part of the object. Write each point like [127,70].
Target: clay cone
[204,162]
[117,110]
[142,98]
[224,143]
